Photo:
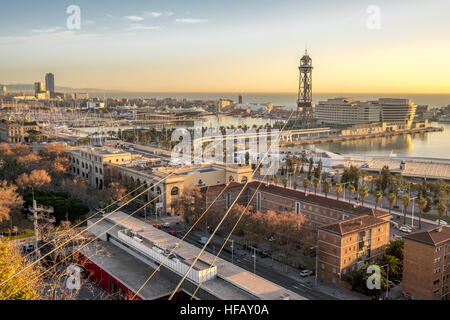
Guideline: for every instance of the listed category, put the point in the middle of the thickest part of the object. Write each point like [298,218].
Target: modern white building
[346,111]
[397,110]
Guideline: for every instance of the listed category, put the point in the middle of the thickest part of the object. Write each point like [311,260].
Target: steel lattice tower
[304,100]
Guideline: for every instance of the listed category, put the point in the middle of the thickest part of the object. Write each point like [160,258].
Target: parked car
[305,273]
[157,226]
[441,222]
[395,224]
[203,240]
[172,233]
[405,229]
[28,247]
[166,225]
[271,239]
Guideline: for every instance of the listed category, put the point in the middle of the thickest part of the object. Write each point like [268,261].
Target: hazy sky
[228,45]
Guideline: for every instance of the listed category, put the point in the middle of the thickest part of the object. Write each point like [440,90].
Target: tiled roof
[353,225]
[431,236]
[318,200]
[218,188]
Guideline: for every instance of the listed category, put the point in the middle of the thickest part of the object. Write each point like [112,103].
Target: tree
[326,187]
[338,190]
[52,151]
[391,199]
[360,279]
[316,184]
[318,170]
[22,286]
[378,196]
[9,199]
[394,264]
[405,200]
[285,182]
[305,183]
[441,208]
[363,193]
[295,185]
[37,179]
[421,203]
[396,248]
[276,179]
[351,191]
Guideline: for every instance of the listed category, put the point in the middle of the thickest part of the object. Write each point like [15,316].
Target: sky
[229,45]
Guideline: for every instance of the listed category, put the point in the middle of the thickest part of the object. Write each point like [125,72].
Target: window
[175,191]
[228,199]
[297,208]
[323,236]
[334,270]
[258,201]
[437,260]
[322,266]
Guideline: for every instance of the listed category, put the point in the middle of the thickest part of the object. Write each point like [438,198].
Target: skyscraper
[50,82]
[38,87]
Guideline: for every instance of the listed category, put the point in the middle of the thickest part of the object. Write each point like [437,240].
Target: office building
[426,264]
[397,110]
[50,82]
[38,88]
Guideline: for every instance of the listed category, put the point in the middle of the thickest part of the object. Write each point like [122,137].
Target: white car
[441,222]
[405,229]
[166,225]
[305,273]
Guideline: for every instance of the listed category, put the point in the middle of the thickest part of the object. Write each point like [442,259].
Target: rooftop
[353,225]
[434,236]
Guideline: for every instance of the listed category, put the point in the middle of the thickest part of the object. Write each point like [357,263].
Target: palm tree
[378,196]
[316,184]
[421,203]
[285,182]
[351,191]
[326,187]
[391,199]
[406,200]
[338,190]
[276,179]
[441,208]
[295,184]
[394,265]
[305,183]
[363,193]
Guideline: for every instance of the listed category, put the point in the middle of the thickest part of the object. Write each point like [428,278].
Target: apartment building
[17,131]
[347,235]
[426,264]
[89,162]
[345,246]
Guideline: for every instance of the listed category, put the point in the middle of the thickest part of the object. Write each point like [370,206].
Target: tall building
[426,264]
[304,100]
[38,88]
[240,100]
[4,90]
[50,82]
[346,111]
[397,110]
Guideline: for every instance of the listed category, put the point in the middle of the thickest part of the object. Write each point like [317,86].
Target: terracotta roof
[353,225]
[318,200]
[218,188]
[431,236]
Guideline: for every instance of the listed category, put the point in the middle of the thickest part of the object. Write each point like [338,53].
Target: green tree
[285,182]
[405,200]
[391,199]
[326,187]
[363,193]
[421,203]
[316,184]
[395,265]
[351,191]
[276,179]
[441,208]
[295,185]
[305,183]
[378,196]
[338,190]
[396,248]
[362,277]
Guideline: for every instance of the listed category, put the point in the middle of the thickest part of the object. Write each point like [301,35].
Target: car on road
[172,233]
[28,247]
[390,284]
[305,273]
[166,225]
[441,222]
[157,226]
[405,229]
[395,224]
[203,240]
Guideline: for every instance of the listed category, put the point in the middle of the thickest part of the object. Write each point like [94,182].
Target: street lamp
[387,279]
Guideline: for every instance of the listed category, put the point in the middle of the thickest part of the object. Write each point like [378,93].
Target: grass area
[435,217]
[21,235]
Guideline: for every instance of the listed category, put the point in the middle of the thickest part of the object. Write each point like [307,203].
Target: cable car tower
[304,100]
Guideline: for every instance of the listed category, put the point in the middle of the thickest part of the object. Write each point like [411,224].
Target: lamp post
[387,279]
